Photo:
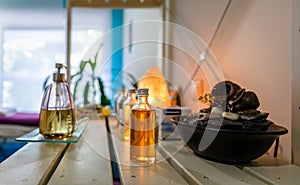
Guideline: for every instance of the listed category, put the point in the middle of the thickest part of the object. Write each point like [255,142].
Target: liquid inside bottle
[57,123]
[143,132]
[127,109]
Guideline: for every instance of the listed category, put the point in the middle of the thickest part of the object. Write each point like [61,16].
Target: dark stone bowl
[230,146]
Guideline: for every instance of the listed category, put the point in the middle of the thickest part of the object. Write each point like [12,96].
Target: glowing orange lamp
[154,80]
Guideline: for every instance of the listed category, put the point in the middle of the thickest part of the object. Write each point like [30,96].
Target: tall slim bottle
[143,130]
[127,105]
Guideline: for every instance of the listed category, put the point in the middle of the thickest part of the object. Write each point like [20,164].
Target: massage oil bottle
[143,130]
[57,118]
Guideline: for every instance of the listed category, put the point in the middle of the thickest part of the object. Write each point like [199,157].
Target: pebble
[230,115]
[216,110]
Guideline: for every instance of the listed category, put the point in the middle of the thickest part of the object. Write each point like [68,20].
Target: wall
[142,40]
[253,49]
[295,82]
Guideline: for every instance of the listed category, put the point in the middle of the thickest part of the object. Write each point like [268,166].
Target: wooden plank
[88,161]
[197,170]
[32,164]
[273,171]
[115,3]
[159,173]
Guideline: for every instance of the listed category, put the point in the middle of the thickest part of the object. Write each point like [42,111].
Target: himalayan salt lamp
[154,80]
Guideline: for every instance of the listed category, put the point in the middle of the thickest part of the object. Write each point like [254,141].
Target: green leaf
[84,69]
[206,98]
[101,86]
[103,99]
[82,65]
[86,94]
[74,75]
[134,82]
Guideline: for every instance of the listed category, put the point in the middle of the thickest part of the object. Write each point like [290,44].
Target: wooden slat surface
[88,161]
[274,171]
[32,164]
[159,173]
[115,3]
[197,170]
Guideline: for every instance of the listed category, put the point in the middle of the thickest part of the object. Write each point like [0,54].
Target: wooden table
[89,162]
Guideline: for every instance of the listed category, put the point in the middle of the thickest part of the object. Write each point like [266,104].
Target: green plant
[93,84]
[206,98]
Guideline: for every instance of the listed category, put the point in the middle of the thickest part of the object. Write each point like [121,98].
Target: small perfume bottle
[143,130]
[127,105]
[57,119]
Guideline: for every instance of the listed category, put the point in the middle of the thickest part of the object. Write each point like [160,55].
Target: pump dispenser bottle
[57,119]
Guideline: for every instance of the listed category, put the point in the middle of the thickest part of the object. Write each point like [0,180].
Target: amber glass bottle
[143,130]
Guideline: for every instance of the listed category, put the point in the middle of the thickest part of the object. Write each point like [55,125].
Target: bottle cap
[143,91]
[131,91]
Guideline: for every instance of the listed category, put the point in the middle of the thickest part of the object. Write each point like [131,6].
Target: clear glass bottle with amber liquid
[57,119]
[127,105]
[143,130]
